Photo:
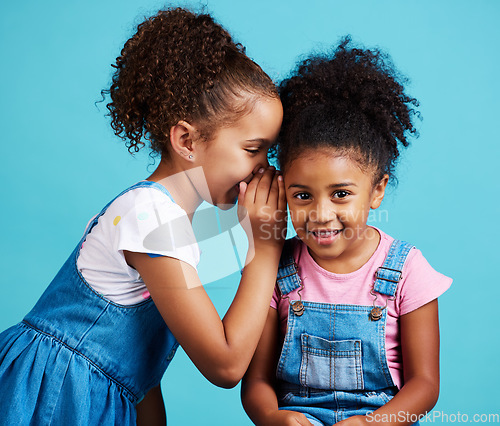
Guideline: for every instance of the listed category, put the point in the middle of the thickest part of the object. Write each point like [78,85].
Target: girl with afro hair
[352,334]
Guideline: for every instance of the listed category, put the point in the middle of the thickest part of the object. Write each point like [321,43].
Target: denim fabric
[333,363]
[80,359]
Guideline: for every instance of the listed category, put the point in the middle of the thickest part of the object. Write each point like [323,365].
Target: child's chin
[226,206]
[228,203]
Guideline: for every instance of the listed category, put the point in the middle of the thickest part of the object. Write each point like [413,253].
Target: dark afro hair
[352,101]
[181,66]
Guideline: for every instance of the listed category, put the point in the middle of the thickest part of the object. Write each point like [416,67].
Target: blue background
[61,162]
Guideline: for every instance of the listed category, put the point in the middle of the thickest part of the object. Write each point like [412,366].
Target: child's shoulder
[142,206]
[420,282]
[143,195]
[402,246]
[145,191]
[144,218]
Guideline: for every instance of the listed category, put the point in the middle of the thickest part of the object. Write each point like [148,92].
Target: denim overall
[80,359]
[333,363]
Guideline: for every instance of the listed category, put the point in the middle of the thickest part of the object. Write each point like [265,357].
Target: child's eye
[253,151]
[302,196]
[340,194]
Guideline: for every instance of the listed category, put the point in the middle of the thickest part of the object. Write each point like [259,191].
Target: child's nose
[323,212]
[263,158]
[260,162]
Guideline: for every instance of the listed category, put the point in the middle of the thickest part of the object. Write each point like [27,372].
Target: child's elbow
[429,391]
[227,377]
[227,381]
[432,389]
[434,395]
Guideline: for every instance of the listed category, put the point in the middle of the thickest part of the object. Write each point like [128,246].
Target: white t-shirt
[143,220]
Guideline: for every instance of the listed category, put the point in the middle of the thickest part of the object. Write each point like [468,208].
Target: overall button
[376,313]
[298,308]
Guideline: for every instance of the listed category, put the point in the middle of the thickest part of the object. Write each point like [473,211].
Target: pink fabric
[420,284]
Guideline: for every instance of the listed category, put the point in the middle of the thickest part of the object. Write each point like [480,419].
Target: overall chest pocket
[334,365]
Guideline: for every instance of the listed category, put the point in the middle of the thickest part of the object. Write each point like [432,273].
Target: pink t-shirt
[420,284]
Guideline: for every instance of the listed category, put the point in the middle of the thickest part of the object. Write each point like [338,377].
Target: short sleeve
[420,285]
[152,223]
[275,299]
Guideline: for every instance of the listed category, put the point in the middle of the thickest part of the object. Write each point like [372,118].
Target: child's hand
[263,201]
[353,421]
[287,418]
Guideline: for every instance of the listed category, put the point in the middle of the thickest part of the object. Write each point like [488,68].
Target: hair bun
[354,78]
[351,98]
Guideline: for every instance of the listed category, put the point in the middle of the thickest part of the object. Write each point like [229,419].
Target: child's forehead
[344,156]
[327,164]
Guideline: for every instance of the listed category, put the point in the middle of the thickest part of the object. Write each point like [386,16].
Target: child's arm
[223,349]
[257,389]
[420,350]
[151,410]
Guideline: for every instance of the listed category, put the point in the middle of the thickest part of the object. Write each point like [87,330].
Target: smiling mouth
[325,236]
[326,233]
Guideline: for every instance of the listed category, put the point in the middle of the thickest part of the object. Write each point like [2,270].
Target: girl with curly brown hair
[355,311]
[98,341]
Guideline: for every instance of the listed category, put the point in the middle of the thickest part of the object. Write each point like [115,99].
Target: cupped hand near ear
[262,208]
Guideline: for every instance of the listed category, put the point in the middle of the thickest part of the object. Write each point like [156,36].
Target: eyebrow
[332,186]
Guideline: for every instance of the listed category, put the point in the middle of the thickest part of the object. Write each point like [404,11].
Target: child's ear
[378,192]
[182,136]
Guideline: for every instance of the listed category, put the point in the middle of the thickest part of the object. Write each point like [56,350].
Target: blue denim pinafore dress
[333,363]
[80,359]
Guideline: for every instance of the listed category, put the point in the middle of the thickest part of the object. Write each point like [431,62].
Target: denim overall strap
[287,279]
[390,273]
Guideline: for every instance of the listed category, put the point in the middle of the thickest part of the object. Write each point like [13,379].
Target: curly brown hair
[353,101]
[181,66]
